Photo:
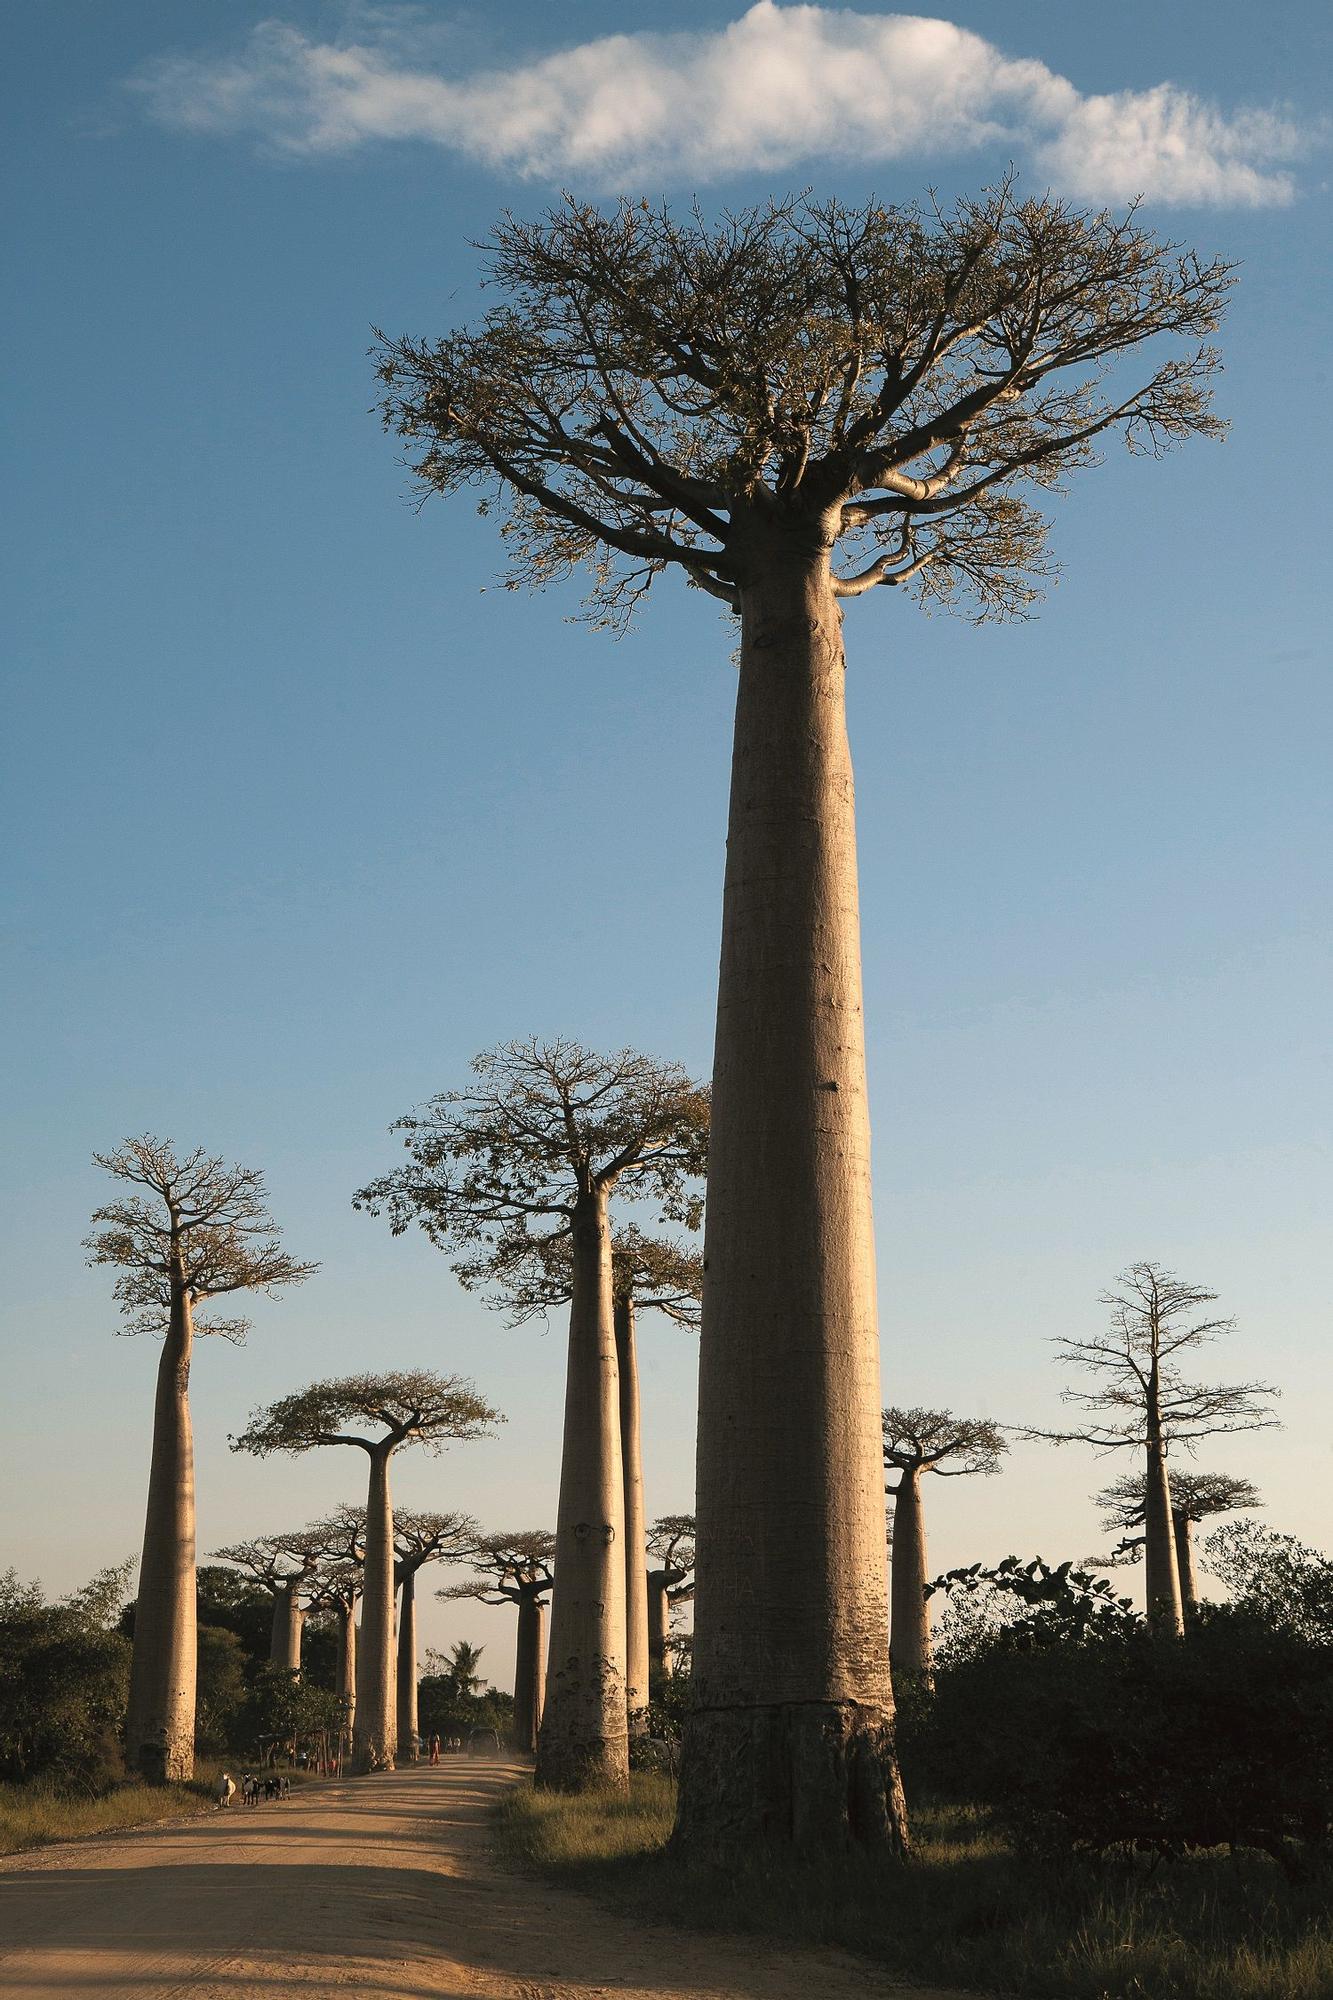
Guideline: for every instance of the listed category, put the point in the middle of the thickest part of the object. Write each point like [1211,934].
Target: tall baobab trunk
[909,1631]
[584,1739]
[407,1667]
[1185,1564]
[288,1623]
[792,1736]
[529,1673]
[636,1524]
[159,1721]
[659,1622]
[373,1736]
[1159,1535]
[345,1685]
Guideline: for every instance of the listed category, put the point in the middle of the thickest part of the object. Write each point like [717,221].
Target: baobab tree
[1195,1497]
[285,1566]
[671,1544]
[413,1407]
[1141,1402]
[917,1442]
[419,1539]
[190,1230]
[338,1586]
[794,407]
[535,1276]
[517,1569]
[538,1146]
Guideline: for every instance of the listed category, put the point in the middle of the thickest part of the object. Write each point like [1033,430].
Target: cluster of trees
[792,408]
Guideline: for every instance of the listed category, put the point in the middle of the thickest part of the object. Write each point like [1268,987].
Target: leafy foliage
[64,1677]
[938,1441]
[434,1410]
[1274,1577]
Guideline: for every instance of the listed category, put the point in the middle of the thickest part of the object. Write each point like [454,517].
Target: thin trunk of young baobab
[288,1624]
[159,1721]
[345,1683]
[374,1743]
[792,1735]
[909,1629]
[407,1667]
[659,1623]
[636,1524]
[1186,1568]
[1159,1536]
[584,1734]
[529,1674]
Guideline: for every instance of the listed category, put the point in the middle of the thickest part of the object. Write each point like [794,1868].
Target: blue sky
[303,810]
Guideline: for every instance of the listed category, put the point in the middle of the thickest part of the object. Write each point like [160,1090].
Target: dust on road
[383,1887]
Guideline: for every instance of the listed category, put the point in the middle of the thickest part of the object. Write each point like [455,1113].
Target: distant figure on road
[434,1749]
[226,1791]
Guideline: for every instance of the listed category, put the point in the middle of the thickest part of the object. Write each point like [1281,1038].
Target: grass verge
[37,1814]
[965,1911]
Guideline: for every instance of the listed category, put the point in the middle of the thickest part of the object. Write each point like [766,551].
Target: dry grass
[36,1814]
[965,1911]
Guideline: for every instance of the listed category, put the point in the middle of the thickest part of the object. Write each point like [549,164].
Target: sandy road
[383,1888]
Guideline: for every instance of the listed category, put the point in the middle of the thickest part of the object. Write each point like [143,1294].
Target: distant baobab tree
[917,1442]
[791,407]
[659,1273]
[337,1588]
[670,1544]
[517,1569]
[285,1566]
[412,1407]
[538,1146]
[1195,1497]
[1141,1402]
[190,1231]
[419,1539]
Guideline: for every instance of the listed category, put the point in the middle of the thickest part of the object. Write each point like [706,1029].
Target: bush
[64,1678]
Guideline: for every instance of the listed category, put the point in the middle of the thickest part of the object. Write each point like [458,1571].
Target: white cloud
[777,88]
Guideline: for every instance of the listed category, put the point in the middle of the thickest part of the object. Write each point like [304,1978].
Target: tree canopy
[532,1275]
[508,1568]
[937,1441]
[434,1410]
[1194,1497]
[203,1220]
[648,386]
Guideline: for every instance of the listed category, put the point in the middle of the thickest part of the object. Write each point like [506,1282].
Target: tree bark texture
[407,1667]
[346,1670]
[529,1674]
[1162,1577]
[909,1630]
[159,1722]
[584,1741]
[636,1524]
[659,1622]
[288,1624]
[791,1740]
[1186,1568]
[373,1736]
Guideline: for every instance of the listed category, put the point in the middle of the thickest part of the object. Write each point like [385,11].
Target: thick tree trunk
[636,1525]
[373,1735]
[584,1739]
[407,1668]
[288,1623]
[159,1721]
[345,1684]
[1185,1564]
[529,1673]
[1162,1581]
[659,1622]
[909,1630]
[791,1740]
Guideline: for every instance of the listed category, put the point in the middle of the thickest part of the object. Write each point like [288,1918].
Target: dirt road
[383,1888]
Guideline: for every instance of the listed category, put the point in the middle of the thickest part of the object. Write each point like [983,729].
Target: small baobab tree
[286,1566]
[187,1231]
[533,1276]
[388,1412]
[1140,1401]
[337,1589]
[670,1544]
[794,407]
[538,1146]
[917,1442]
[517,1569]
[419,1539]
[1195,1497]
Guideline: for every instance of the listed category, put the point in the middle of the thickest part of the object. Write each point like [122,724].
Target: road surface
[382,1887]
